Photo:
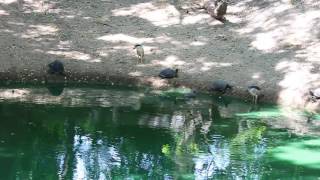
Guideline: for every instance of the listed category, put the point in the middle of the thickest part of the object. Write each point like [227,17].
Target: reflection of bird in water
[215,113]
[221,101]
[55,90]
[254,107]
[191,94]
[310,116]
[140,52]
[255,92]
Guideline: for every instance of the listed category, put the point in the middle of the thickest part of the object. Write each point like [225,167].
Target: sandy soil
[272,44]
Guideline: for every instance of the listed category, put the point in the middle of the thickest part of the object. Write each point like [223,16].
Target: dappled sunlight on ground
[162,17]
[280,23]
[75,55]
[297,80]
[125,38]
[208,65]
[3,13]
[37,31]
[156,82]
[136,73]
[170,61]
[310,53]
[8,1]
[39,6]
[283,27]
[196,19]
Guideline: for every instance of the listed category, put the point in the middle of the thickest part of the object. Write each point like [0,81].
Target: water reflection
[55,89]
[154,139]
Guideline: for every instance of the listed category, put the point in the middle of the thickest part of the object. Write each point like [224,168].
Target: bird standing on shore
[221,10]
[168,73]
[220,86]
[315,95]
[140,52]
[56,67]
[255,92]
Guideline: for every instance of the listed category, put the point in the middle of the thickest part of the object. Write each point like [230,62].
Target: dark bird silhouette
[220,86]
[56,67]
[315,94]
[168,73]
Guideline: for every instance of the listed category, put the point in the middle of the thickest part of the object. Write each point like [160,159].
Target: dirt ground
[273,44]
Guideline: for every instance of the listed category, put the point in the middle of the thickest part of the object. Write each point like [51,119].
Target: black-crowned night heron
[315,94]
[255,92]
[220,86]
[168,73]
[56,67]
[221,10]
[140,52]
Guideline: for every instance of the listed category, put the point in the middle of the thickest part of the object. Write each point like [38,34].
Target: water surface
[116,133]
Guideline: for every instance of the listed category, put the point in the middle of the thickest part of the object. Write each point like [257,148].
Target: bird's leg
[141,59]
[138,59]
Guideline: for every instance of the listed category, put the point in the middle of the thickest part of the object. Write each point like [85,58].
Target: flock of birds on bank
[218,86]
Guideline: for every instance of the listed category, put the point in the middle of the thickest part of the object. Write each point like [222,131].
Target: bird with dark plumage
[168,73]
[140,52]
[221,10]
[56,67]
[255,92]
[220,86]
[315,95]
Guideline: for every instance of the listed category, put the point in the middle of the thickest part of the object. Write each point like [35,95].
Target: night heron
[140,52]
[315,94]
[220,86]
[221,10]
[56,67]
[168,73]
[255,92]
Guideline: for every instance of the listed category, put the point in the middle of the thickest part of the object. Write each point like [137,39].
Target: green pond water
[121,133]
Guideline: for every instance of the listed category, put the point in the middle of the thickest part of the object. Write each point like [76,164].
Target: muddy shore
[272,45]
